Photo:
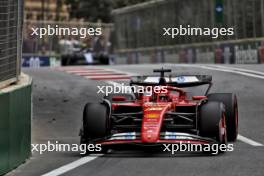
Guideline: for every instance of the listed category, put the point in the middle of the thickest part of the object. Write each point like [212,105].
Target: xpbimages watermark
[66,31]
[189,147]
[59,147]
[187,30]
[122,88]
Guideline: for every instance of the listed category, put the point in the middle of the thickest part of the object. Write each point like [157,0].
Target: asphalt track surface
[58,101]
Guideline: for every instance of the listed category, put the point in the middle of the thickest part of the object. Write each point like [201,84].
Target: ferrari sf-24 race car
[176,116]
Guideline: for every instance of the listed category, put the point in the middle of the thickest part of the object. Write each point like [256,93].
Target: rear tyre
[231,112]
[95,124]
[212,123]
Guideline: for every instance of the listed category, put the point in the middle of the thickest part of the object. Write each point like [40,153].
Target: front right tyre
[96,124]
[231,112]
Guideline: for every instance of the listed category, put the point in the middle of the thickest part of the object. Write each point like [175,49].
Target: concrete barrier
[15,124]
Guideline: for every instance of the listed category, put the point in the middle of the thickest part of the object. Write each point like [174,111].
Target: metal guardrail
[10,40]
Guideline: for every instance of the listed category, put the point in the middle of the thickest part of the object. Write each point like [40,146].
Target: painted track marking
[95,73]
[249,141]
[239,69]
[244,72]
[68,167]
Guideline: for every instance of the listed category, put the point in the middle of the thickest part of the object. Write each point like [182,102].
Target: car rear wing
[180,81]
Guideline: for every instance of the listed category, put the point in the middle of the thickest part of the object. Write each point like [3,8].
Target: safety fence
[141,25]
[10,40]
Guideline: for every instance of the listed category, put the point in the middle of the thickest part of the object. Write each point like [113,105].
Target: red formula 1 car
[174,114]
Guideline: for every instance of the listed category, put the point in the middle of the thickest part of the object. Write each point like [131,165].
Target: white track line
[233,71]
[239,69]
[228,70]
[248,141]
[63,169]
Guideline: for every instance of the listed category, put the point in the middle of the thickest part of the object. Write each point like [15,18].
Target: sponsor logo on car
[152,115]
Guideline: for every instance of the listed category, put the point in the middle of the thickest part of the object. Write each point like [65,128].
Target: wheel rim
[222,129]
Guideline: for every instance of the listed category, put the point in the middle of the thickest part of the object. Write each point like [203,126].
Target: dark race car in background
[174,116]
[84,57]
[74,53]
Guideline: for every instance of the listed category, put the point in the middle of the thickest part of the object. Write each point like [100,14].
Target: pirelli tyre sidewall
[210,121]
[95,121]
[96,126]
[212,124]
[231,112]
